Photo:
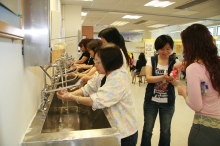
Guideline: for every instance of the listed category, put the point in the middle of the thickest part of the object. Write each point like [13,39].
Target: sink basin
[74,118]
[68,124]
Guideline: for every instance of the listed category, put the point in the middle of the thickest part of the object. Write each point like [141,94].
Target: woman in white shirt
[160,92]
[109,90]
[112,35]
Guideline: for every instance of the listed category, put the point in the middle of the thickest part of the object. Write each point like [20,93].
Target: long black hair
[112,35]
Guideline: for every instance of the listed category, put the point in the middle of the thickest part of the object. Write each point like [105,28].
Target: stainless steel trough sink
[70,124]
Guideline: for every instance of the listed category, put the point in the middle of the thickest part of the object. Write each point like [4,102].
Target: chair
[141,74]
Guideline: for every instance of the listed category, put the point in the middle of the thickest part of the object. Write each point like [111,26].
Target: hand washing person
[112,35]
[202,69]
[89,74]
[85,55]
[109,90]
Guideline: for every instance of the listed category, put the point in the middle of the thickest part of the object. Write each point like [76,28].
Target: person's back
[140,64]
[210,104]
[202,90]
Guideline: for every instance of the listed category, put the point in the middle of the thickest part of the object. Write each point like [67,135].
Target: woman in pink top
[202,92]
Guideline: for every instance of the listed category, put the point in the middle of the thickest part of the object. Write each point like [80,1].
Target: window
[211,29]
[218,30]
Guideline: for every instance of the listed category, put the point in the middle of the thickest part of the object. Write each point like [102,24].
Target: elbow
[80,61]
[147,79]
[196,109]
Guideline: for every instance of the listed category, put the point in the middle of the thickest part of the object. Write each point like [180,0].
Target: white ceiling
[102,13]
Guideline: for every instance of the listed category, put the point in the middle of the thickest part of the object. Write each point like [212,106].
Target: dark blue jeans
[130,140]
[150,113]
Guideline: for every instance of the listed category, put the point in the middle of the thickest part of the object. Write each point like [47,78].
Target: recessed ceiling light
[119,23]
[176,31]
[157,3]
[157,25]
[83,13]
[131,17]
[137,30]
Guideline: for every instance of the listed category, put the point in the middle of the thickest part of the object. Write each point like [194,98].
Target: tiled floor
[181,123]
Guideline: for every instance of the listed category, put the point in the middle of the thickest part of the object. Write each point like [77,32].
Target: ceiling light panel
[83,13]
[157,3]
[119,23]
[176,31]
[137,30]
[131,17]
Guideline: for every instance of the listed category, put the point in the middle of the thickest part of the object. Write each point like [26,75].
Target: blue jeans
[130,140]
[150,113]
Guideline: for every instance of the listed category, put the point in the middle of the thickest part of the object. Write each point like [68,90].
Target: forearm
[92,71]
[87,66]
[79,62]
[85,72]
[175,82]
[78,92]
[81,100]
[194,107]
[155,79]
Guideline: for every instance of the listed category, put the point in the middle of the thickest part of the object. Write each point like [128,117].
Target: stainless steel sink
[74,118]
[70,124]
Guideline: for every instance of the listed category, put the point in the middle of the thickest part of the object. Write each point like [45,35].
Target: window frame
[218,31]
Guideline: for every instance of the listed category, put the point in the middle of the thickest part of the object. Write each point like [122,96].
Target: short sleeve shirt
[160,93]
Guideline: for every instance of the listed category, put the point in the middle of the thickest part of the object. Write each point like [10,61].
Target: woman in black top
[140,63]
[85,55]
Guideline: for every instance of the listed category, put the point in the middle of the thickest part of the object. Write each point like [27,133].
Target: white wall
[55,21]
[147,35]
[72,25]
[170,30]
[55,5]
[20,90]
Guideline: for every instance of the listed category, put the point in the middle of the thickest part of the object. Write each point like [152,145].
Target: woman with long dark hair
[84,58]
[112,35]
[202,91]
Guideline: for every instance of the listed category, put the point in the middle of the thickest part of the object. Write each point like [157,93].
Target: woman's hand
[168,78]
[63,95]
[182,90]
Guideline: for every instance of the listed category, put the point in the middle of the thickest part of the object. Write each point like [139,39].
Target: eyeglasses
[96,62]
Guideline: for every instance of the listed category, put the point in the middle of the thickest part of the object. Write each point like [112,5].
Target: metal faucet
[62,66]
